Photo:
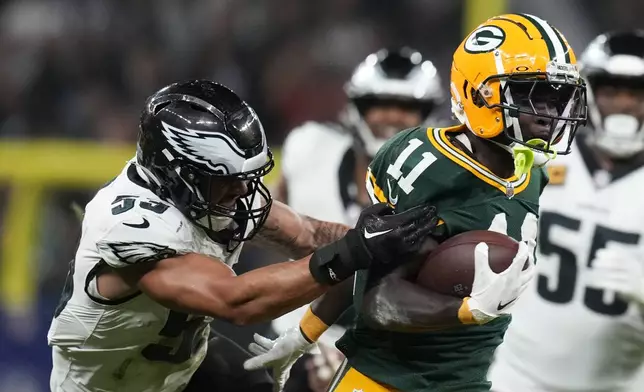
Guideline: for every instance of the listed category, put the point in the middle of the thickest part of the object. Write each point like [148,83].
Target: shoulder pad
[137,229]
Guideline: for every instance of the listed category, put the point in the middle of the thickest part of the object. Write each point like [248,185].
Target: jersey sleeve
[140,236]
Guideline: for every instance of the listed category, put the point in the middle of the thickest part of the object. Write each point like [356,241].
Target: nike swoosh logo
[143,225]
[368,235]
[505,305]
[393,200]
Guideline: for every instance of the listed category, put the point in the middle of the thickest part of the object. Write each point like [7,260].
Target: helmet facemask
[222,222]
[556,102]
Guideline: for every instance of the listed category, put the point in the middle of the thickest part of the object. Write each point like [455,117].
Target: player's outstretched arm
[198,284]
[201,285]
[294,234]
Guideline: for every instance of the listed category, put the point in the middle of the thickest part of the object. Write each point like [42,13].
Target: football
[449,269]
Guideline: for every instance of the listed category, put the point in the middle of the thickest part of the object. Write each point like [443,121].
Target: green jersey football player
[519,98]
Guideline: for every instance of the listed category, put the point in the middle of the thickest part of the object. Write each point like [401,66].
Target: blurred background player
[389,91]
[580,327]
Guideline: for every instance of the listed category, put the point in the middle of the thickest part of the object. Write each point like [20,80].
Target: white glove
[619,269]
[279,354]
[494,294]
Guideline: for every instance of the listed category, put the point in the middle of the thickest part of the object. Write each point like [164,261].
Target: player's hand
[619,269]
[380,237]
[387,235]
[494,294]
[279,354]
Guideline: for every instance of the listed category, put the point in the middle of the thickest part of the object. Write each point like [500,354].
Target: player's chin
[537,130]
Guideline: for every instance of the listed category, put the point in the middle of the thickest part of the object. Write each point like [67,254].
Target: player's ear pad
[222,370]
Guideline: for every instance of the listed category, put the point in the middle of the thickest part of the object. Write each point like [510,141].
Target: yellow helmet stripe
[555,47]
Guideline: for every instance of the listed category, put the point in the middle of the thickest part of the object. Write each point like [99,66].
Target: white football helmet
[615,59]
[399,75]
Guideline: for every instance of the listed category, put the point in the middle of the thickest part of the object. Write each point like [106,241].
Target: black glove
[380,237]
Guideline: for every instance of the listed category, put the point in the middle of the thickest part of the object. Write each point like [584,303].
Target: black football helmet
[195,132]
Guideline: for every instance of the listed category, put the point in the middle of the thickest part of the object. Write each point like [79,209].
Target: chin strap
[525,158]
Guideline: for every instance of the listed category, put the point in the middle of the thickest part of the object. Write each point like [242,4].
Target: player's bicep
[187,283]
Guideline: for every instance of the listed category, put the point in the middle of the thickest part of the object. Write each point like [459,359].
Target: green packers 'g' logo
[484,39]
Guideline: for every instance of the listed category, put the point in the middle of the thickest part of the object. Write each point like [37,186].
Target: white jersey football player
[581,326]
[154,263]
[389,91]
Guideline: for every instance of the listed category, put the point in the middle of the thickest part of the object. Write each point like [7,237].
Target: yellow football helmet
[504,68]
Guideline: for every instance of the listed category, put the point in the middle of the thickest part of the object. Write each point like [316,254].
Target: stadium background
[74,74]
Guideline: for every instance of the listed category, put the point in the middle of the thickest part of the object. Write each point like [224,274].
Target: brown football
[449,269]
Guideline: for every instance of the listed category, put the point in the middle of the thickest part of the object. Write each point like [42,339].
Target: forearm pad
[335,262]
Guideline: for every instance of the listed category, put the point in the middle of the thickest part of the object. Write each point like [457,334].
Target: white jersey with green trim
[133,344]
[565,335]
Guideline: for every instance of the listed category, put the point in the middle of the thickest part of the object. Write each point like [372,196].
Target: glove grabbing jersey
[379,238]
